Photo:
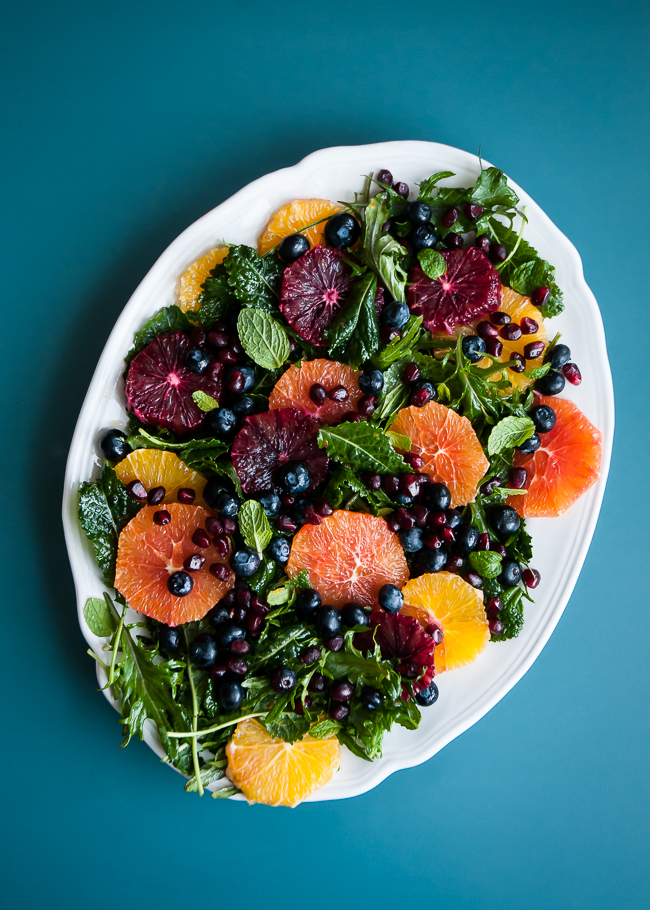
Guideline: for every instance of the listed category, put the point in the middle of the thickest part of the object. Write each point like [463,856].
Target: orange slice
[292,388]
[276,773]
[449,446]
[293,217]
[458,608]
[517,306]
[161,469]
[192,280]
[349,556]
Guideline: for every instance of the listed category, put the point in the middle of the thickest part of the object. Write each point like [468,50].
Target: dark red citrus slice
[314,288]
[269,440]
[403,638]
[159,385]
[470,286]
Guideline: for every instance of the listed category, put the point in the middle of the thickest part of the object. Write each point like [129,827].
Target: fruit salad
[317,501]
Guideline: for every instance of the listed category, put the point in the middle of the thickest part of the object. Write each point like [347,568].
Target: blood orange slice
[349,557]
[293,217]
[147,554]
[314,288]
[292,388]
[449,446]
[564,467]
[155,468]
[401,637]
[192,280]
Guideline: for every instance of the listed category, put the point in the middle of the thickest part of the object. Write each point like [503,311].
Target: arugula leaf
[399,347]
[287,642]
[225,792]
[508,433]
[345,482]
[399,441]
[432,263]
[104,508]
[430,185]
[216,298]
[353,337]
[382,252]
[254,280]
[254,525]
[263,338]
[394,396]
[204,401]
[98,617]
[363,446]
[538,372]
[261,579]
[367,670]
[486,563]
[491,189]
[168,319]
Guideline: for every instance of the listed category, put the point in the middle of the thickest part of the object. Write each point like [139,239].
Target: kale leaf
[168,319]
[353,337]
[362,446]
[216,298]
[104,508]
[254,280]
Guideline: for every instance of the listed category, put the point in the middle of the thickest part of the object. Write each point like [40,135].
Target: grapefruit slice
[348,557]
[564,467]
[314,289]
[147,554]
[276,773]
[292,388]
[161,469]
[293,217]
[449,446]
[457,608]
[192,280]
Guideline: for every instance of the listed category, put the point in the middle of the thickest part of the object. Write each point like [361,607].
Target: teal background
[124,122]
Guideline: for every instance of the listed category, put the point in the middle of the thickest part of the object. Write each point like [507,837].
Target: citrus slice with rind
[154,468]
[348,557]
[276,773]
[193,278]
[449,446]
[292,388]
[147,554]
[457,608]
[564,467]
[293,217]
[517,307]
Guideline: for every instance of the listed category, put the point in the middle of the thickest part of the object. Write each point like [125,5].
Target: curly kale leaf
[254,280]
[104,508]
[168,319]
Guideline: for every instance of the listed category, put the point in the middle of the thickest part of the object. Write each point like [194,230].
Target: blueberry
[293,477]
[228,504]
[243,405]
[371,381]
[411,541]
[510,573]
[354,615]
[403,499]
[423,237]
[203,651]
[559,355]
[436,496]
[279,549]
[240,379]
[168,638]
[293,247]
[466,538]
[342,230]
[227,632]
[431,560]
[307,602]
[428,696]
[270,502]
[244,562]
[551,384]
[543,417]
[473,348]
[180,584]
[418,213]
[221,422]
[282,680]
[213,490]
[298,512]
[197,360]
[395,314]
[530,445]
[454,518]
[230,695]
[390,598]
[328,621]
[113,445]
[372,699]
[219,614]
[504,521]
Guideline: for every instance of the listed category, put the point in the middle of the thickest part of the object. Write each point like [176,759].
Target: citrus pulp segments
[148,553]
[292,388]
[192,280]
[293,217]
[155,468]
[349,556]
[277,773]
[314,288]
[517,307]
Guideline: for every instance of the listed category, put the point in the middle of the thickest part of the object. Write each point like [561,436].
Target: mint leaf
[254,280]
[486,563]
[432,263]
[508,433]
[555,303]
[216,298]
[538,372]
[263,338]
[204,401]
[104,508]
[399,441]
[324,728]
[353,337]
[254,525]
[400,347]
[363,446]
[288,726]
[98,617]
[381,251]
[169,319]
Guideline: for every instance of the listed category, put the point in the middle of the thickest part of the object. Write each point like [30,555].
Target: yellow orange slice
[293,217]
[192,280]
[161,469]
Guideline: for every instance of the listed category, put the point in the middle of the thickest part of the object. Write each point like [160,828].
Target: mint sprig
[263,338]
[508,433]
[432,263]
[254,525]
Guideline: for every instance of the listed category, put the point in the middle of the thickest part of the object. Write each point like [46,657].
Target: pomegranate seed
[540,296]
[156,495]
[528,326]
[474,579]
[433,539]
[351,417]
[454,562]
[218,671]
[312,517]
[338,393]
[413,461]
[496,627]
[411,373]
[218,339]
[486,330]
[162,517]
[186,495]
[311,655]
[494,347]
[450,217]
[494,606]
[238,614]
[293,347]
[201,538]
[194,562]
[473,211]
[534,349]
[421,514]
[214,370]
[483,243]
[510,332]
[372,481]
[483,542]
[437,520]
[229,525]
[238,666]
[423,479]
[387,334]
[318,393]
[496,547]
[236,382]
[517,478]
[220,545]
[136,491]
[409,485]
[405,519]
[393,524]
[489,486]
[517,362]
[228,600]
[243,596]
[572,373]
[449,535]
[323,508]
[389,483]
[284,523]
[367,405]
[302,704]
[500,318]
[253,622]
[220,571]
[235,346]
[498,252]
[385,177]
[287,500]
[421,397]
[531,578]
[214,526]
[402,189]
[335,644]
[239,646]
[198,335]
[259,607]
[453,241]
[226,356]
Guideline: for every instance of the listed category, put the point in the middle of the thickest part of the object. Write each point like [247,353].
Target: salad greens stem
[194,734]
[195,715]
[116,645]
[299,231]
[519,236]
